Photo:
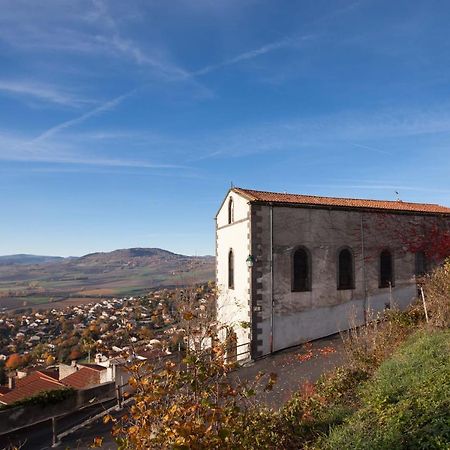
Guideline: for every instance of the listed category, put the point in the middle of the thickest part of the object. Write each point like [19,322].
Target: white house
[293,268]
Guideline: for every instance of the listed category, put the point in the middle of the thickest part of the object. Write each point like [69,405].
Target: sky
[123,124]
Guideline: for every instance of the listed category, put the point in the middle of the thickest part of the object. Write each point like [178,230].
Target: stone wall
[15,418]
[282,318]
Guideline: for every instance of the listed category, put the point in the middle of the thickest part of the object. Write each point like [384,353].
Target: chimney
[11,380]
[74,363]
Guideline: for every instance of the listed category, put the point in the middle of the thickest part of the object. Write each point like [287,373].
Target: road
[294,367]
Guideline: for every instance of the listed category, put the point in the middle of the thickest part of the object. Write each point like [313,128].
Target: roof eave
[349,208]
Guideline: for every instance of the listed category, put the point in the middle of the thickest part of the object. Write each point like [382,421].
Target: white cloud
[357,129]
[16,148]
[41,92]
[94,112]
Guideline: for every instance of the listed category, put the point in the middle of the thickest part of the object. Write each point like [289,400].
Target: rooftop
[82,378]
[31,385]
[312,200]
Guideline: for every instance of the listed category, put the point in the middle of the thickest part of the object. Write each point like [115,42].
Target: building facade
[293,268]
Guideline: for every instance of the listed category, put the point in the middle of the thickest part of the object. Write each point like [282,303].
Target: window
[231,270]
[421,264]
[386,278]
[230,211]
[345,269]
[301,274]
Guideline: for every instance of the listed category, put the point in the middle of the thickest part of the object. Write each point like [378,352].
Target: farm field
[98,275]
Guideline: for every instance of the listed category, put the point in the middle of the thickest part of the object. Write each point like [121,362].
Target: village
[86,345]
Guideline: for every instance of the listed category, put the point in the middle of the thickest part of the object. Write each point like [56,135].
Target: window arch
[230,210]
[386,272]
[230,269]
[345,269]
[421,263]
[301,270]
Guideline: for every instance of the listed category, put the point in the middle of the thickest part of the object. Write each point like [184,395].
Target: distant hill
[28,259]
[26,279]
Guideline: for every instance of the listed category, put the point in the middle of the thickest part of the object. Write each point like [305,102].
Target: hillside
[9,260]
[120,272]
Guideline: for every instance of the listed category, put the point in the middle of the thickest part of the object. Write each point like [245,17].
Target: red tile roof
[31,385]
[50,375]
[311,200]
[83,378]
[4,390]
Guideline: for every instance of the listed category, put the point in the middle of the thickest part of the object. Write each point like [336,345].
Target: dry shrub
[437,294]
[369,345]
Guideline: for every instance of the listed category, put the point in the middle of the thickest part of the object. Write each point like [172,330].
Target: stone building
[293,268]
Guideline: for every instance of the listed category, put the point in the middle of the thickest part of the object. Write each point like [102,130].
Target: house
[86,375]
[293,268]
[30,385]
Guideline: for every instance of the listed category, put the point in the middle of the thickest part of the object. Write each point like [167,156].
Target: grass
[407,403]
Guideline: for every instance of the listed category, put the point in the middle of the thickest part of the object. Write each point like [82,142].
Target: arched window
[386,273]
[301,273]
[345,269]
[230,270]
[230,211]
[421,264]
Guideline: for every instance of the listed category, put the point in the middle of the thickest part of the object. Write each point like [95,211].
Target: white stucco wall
[233,304]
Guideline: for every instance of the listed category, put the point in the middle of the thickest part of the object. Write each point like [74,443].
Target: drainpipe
[271,278]
[365,303]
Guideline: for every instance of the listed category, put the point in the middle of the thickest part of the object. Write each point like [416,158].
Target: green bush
[407,403]
[44,398]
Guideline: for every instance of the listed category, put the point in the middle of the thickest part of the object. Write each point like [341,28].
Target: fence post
[54,435]
[424,303]
[119,397]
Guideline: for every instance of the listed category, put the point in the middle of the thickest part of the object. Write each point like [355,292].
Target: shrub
[437,293]
[369,345]
[44,398]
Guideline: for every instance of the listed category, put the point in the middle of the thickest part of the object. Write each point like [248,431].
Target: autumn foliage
[14,361]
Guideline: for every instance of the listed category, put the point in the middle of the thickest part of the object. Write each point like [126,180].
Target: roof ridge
[336,198]
[340,202]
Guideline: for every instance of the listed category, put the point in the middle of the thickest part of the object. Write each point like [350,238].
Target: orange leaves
[97,442]
[187,315]
[14,361]
[326,351]
[309,352]
[271,382]
[306,356]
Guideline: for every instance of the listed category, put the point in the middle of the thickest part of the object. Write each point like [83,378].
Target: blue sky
[122,124]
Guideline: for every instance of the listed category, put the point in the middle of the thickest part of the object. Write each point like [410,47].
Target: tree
[74,354]
[14,361]
[50,360]
[193,404]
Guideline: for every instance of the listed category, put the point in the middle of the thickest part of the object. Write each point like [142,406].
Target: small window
[301,274]
[230,211]
[345,269]
[386,273]
[231,270]
[421,264]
